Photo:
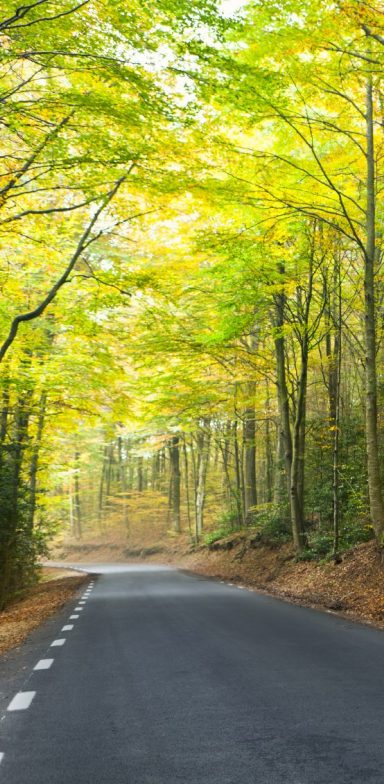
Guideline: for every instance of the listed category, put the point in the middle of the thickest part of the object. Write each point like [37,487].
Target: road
[168,678]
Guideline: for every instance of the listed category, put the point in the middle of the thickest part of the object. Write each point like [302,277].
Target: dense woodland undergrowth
[191,272]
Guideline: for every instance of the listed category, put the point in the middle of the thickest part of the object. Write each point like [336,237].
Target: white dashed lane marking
[77,609]
[1,755]
[81,602]
[57,643]
[67,628]
[43,664]
[21,701]
[73,617]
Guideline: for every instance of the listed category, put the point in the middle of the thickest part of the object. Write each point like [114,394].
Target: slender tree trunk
[35,458]
[161,471]
[268,452]
[4,415]
[186,480]
[336,429]
[77,501]
[228,489]
[194,472]
[298,454]
[123,484]
[101,504]
[294,444]
[155,471]
[239,484]
[279,486]
[174,456]
[372,443]
[333,353]
[269,462]
[19,438]
[202,440]
[249,438]
[131,473]
[109,475]
[140,476]
[285,434]
[298,438]
[70,508]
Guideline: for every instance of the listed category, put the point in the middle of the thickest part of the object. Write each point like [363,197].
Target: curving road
[166,678]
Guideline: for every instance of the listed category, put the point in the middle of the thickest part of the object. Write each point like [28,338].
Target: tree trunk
[174,457]
[186,479]
[372,443]
[70,507]
[140,475]
[4,415]
[35,459]
[238,476]
[77,503]
[109,475]
[333,319]
[202,440]
[298,454]
[155,471]
[294,444]
[336,426]
[279,486]
[228,488]
[285,434]
[249,437]
[123,484]
[101,504]
[269,459]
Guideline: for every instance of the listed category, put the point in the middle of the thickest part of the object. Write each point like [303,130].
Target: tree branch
[34,155]
[82,244]
[23,10]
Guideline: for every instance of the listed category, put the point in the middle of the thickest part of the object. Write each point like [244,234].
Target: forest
[191,272]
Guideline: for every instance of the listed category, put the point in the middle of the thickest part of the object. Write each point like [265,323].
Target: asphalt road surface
[168,678]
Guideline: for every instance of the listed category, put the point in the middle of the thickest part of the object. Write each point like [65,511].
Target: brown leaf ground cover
[23,615]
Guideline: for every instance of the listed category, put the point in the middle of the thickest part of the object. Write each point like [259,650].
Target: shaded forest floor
[37,603]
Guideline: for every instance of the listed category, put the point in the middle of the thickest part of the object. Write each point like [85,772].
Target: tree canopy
[191,280]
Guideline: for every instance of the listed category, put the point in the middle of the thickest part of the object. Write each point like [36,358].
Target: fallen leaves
[37,604]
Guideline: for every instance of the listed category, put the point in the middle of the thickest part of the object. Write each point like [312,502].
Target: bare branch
[82,244]
[50,18]
[22,11]
[51,135]
[48,211]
